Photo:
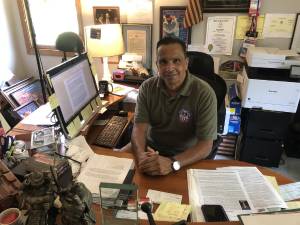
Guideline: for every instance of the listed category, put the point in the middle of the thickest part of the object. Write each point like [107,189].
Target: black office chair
[69,42]
[201,65]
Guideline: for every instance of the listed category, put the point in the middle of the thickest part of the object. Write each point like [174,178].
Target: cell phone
[214,213]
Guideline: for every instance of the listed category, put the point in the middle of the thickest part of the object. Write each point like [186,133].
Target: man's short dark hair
[171,40]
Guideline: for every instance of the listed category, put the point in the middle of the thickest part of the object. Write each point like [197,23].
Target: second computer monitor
[75,88]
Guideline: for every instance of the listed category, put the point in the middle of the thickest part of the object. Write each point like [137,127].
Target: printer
[271,57]
[269,89]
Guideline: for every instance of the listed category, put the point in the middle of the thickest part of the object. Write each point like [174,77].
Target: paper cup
[11,216]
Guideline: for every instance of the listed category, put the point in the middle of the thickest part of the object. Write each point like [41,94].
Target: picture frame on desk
[225,5]
[106,14]
[26,109]
[15,94]
[30,92]
[295,42]
[138,39]
[171,23]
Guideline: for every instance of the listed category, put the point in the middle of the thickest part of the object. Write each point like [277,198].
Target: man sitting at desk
[176,114]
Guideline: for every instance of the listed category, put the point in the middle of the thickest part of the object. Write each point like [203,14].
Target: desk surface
[177,182]
[174,183]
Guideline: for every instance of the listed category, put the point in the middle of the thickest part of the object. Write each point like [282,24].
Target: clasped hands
[151,163]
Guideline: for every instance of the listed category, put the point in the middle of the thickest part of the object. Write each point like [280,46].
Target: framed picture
[295,43]
[171,23]
[106,14]
[30,92]
[26,109]
[137,39]
[225,5]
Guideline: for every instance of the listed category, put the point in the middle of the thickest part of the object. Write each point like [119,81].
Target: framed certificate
[137,39]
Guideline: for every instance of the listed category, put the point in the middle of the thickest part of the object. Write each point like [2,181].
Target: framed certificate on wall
[225,5]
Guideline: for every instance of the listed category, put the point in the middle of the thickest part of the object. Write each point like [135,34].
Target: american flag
[193,13]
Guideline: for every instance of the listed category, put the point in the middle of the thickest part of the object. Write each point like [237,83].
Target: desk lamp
[68,42]
[103,41]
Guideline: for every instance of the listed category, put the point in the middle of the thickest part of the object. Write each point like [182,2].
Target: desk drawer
[266,124]
[264,152]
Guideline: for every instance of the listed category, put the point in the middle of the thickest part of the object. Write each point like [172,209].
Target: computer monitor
[75,90]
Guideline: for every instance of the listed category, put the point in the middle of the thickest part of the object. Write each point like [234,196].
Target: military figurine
[37,197]
[76,206]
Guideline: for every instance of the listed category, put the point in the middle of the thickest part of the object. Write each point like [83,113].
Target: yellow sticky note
[273,181]
[94,105]
[98,100]
[86,112]
[171,211]
[293,204]
[71,129]
[53,101]
[77,123]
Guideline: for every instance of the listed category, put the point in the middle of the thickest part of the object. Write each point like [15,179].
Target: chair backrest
[202,66]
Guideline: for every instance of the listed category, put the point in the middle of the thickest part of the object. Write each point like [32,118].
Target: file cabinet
[263,135]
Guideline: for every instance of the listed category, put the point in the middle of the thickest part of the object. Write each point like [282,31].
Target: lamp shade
[104,40]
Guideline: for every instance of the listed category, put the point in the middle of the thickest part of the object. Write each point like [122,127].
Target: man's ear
[187,62]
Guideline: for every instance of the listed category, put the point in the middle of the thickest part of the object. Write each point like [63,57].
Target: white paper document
[280,218]
[159,197]
[101,168]
[119,89]
[290,191]
[238,190]
[261,193]
[40,116]
[224,188]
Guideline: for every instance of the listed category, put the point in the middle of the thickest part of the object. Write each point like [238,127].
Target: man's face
[172,65]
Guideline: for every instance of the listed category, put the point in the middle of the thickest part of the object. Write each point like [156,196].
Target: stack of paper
[240,190]
[101,168]
[278,218]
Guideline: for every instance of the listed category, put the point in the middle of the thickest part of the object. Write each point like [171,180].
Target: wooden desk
[174,183]
[177,182]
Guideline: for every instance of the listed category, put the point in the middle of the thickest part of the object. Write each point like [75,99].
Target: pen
[68,157]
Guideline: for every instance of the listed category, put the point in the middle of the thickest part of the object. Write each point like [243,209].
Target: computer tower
[263,135]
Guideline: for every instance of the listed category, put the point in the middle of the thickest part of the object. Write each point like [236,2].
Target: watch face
[176,165]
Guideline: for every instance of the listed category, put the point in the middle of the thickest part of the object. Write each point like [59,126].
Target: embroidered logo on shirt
[184,115]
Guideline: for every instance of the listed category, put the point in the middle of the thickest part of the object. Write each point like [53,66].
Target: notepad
[172,212]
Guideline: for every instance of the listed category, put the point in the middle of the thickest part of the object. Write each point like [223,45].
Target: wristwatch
[175,164]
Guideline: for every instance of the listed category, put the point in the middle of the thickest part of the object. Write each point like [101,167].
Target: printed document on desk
[214,187]
[262,194]
[238,190]
[101,168]
[40,116]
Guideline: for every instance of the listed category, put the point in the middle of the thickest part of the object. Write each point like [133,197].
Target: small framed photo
[25,110]
[225,5]
[171,23]
[31,92]
[137,39]
[295,42]
[106,14]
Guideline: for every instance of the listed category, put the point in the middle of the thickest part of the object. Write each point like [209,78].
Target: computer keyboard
[109,136]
